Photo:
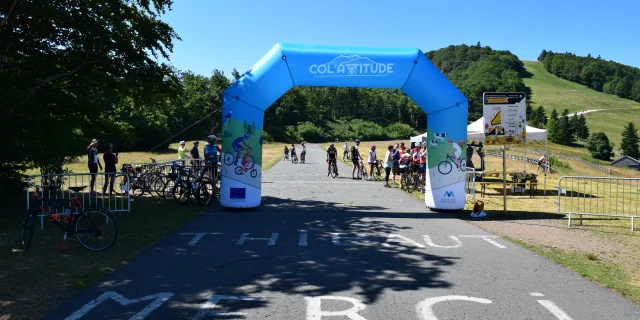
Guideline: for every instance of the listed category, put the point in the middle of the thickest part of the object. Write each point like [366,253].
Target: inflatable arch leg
[289,65]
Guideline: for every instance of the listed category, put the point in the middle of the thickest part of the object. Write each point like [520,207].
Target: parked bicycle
[378,170]
[95,228]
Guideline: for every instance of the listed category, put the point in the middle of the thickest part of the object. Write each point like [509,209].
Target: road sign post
[505,122]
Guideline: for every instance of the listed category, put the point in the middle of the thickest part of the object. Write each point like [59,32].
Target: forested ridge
[77,70]
[595,73]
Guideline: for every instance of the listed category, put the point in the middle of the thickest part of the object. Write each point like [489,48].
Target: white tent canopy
[418,138]
[475,131]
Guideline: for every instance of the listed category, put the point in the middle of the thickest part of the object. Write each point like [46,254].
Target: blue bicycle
[446,166]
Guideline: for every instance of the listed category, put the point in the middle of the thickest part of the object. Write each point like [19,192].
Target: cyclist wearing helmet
[293,150]
[332,156]
[355,158]
[211,150]
[237,146]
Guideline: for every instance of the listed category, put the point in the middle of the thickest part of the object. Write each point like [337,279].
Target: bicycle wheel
[167,190]
[253,173]
[376,173]
[363,173]
[238,170]
[28,227]
[409,183]
[158,185]
[136,187]
[182,192]
[294,159]
[445,167]
[334,170]
[96,229]
[206,193]
[228,158]
[463,164]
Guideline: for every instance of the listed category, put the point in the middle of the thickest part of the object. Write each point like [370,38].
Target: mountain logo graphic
[448,194]
[351,66]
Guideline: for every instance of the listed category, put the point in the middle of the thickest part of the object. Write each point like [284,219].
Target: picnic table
[517,179]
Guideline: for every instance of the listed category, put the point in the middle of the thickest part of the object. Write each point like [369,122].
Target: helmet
[373,146]
[332,145]
[182,142]
[246,135]
[212,138]
[357,140]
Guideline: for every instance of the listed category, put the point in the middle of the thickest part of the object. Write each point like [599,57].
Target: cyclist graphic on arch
[453,155]
[238,148]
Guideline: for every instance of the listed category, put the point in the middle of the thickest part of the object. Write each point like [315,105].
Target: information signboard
[505,117]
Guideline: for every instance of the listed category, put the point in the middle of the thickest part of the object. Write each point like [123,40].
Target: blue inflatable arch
[289,65]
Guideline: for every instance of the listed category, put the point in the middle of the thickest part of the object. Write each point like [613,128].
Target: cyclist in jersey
[372,160]
[456,151]
[355,158]
[237,146]
[293,150]
[416,159]
[332,156]
[212,150]
[346,150]
[423,164]
[303,153]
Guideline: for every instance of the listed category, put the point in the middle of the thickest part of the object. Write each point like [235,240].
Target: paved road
[366,252]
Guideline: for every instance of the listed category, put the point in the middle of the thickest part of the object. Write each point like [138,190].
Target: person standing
[93,162]
[395,164]
[110,161]
[211,150]
[355,159]
[346,151]
[195,153]
[372,161]
[388,160]
[181,150]
[332,157]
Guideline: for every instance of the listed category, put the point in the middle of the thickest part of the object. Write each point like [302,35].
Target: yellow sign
[497,100]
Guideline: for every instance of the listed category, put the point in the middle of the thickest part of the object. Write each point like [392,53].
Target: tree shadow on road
[366,263]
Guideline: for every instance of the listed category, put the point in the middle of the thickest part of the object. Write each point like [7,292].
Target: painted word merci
[347,239]
[214,306]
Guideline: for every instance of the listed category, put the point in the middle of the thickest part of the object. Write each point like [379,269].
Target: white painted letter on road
[488,239]
[197,236]
[211,308]
[455,239]
[314,308]
[424,308]
[272,240]
[335,238]
[158,299]
[400,239]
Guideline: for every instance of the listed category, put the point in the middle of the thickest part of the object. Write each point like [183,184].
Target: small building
[627,162]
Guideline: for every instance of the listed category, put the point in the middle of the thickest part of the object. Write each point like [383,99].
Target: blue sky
[237,33]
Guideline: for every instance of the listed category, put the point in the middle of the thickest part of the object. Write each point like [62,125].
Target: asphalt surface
[224,274]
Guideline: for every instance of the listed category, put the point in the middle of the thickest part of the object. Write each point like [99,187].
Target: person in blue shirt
[211,150]
[238,148]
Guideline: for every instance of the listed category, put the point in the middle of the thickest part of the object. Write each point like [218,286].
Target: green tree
[574,125]
[630,141]
[542,55]
[553,126]
[529,111]
[599,146]
[64,65]
[583,130]
[563,133]
[541,117]
[235,74]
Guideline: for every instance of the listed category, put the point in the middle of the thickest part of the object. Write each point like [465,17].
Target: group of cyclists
[294,156]
[397,159]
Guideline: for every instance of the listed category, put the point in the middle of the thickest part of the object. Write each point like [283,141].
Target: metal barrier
[599,196]
[98,193]
[470,183]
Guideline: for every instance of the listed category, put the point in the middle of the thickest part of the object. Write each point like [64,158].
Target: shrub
[557,163]
[399,131]
[307,131]
[266,137]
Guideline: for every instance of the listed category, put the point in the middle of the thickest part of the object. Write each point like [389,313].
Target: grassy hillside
[553,92]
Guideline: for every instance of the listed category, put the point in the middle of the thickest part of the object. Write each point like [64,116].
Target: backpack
[354,152]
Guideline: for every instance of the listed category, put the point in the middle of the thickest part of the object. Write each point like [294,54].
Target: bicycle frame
[69,219]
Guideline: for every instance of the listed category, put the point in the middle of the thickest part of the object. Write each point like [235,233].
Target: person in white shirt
[346,151]
[372,160]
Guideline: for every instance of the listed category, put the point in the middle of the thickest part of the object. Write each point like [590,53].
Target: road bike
[362,172]
[294,158]
[446,166]
[378,169]
[95,228]
[333,168]
[407,179]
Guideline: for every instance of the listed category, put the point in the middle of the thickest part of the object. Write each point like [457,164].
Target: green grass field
[553,92]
